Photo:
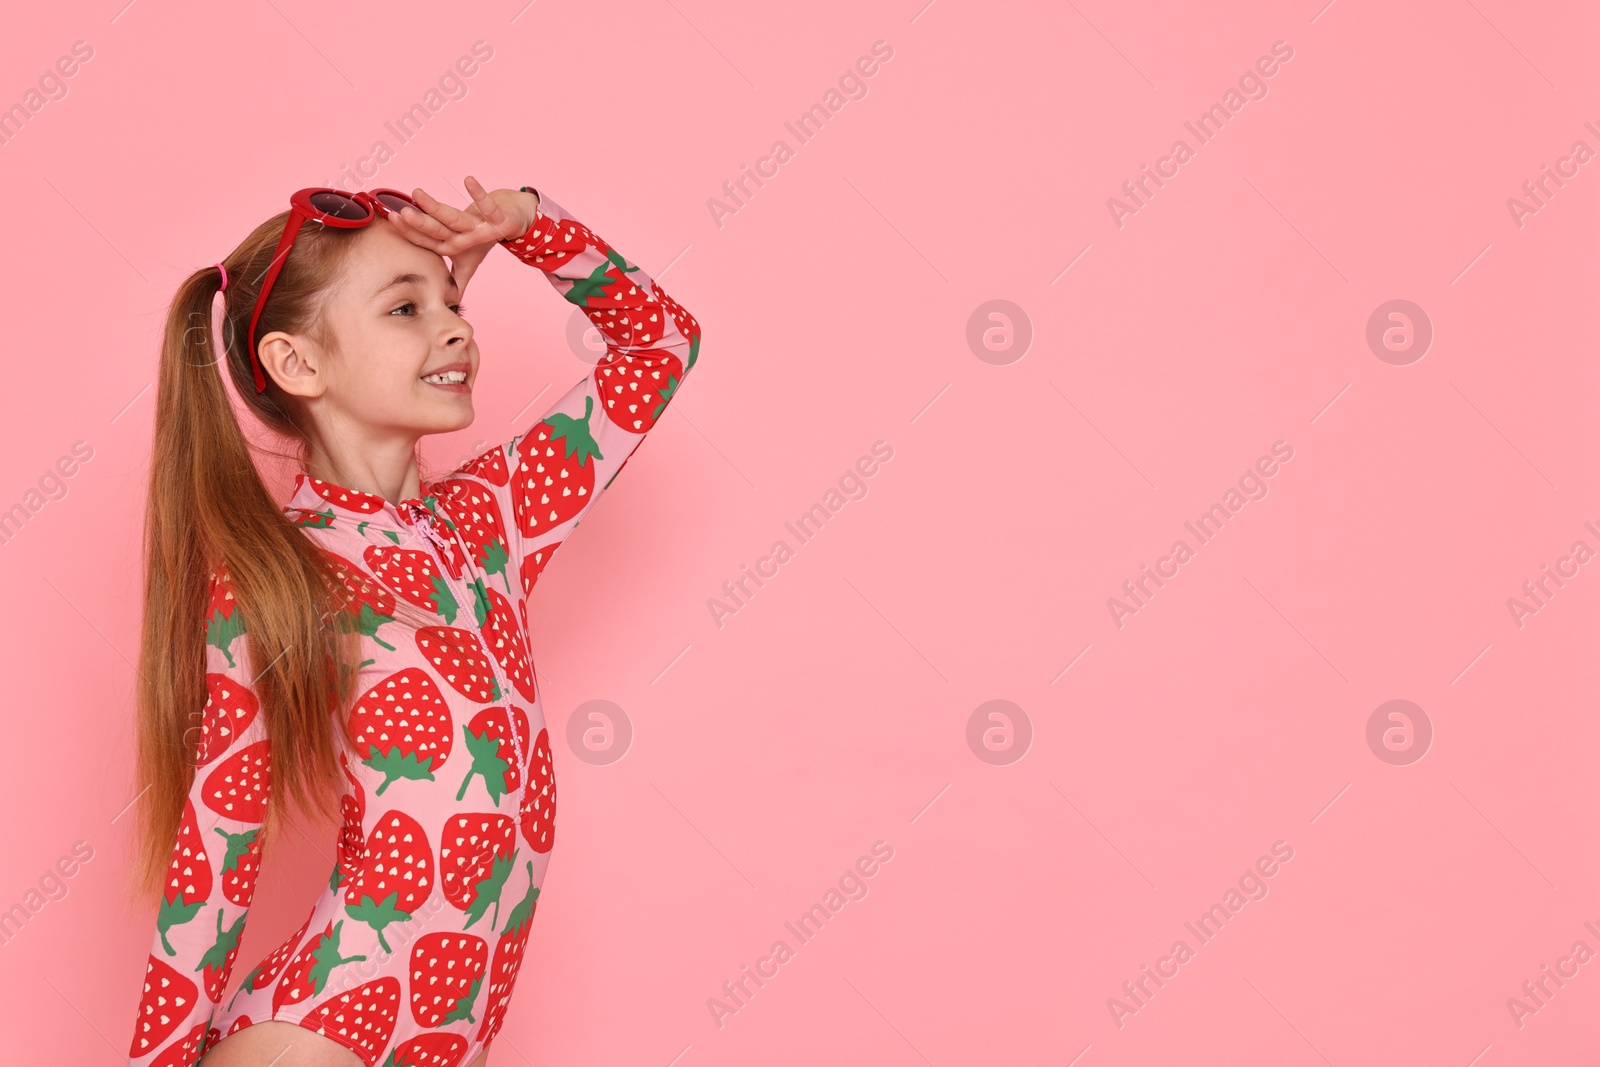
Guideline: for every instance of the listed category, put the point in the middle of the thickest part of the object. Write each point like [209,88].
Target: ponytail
[209,512]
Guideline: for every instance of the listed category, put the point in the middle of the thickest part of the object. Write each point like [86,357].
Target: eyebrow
[409,279]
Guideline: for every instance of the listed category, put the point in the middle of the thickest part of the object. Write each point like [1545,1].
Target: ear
[293,362]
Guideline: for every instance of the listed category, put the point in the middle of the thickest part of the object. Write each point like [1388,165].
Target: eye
[459,309]
[408,305]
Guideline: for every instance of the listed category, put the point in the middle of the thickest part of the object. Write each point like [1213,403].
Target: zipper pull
[423,519]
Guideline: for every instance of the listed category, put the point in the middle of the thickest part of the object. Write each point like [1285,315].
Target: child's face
[388,337]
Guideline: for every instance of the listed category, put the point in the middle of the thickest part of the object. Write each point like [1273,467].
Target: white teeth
[452,377]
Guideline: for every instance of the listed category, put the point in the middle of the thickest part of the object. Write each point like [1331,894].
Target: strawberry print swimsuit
[408,958]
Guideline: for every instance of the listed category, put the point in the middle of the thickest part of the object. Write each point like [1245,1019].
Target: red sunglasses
[327,207]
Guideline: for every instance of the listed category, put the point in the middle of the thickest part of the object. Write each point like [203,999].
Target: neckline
[317,494]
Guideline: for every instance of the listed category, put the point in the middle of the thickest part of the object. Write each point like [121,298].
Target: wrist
[529,198]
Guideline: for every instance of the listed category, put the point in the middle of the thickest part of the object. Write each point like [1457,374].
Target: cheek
[376,371]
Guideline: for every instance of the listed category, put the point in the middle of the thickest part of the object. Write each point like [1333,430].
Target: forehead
[379,253]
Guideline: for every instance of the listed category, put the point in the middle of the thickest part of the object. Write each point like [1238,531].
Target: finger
[494,213]
[414,234]
[425,223]
[482,199]
[423,217]
[451,218]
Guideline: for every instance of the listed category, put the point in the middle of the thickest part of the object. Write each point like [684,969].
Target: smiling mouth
[449,377]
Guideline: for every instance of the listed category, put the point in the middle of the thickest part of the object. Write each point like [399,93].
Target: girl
[363,650]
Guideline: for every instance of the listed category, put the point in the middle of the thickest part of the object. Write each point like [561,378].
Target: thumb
[464,264]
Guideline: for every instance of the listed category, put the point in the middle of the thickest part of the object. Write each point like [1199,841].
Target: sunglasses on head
[326,207]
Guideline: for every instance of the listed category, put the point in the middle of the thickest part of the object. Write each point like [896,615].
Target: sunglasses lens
[395,203]
[338,205]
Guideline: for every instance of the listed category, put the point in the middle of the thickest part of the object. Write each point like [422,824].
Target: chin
[447,422]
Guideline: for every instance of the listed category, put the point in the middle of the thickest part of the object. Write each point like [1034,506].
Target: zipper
[423,518]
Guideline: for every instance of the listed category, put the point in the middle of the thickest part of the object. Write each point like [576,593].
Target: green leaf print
[379,914]
[485,749]
[489,890]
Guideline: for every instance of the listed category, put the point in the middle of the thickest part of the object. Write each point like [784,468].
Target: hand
[466,237]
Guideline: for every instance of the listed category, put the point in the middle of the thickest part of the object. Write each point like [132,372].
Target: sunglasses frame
[301,211]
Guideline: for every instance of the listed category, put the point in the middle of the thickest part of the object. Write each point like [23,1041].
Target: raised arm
[211,877]
[547,477]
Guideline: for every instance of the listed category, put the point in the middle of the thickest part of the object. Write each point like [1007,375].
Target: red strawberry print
[429,1050]
[476,853]
[478,521]
[217,963]
[224,622]
[230,708]
[489,465]
[268,969]
[361,1019]
[555,471]
[308,972]
[396,877]
[635,389]
[494,754]
[508,960]
[318,520]
[188,882]
[402,727]
[445,971]
[533,565]
[238,787]
[239,1024]
[167,1000]
[606,286]
[685,322]
[538,811]
[348,499]
[412,574]
[241,855]
[186,1052]
[362,603]
[565,239]
[352,845]
[504,638]
[457,656]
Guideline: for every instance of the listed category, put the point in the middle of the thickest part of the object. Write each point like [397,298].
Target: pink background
[831,711]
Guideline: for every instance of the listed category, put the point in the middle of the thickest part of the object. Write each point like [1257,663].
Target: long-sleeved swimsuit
[410,954]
